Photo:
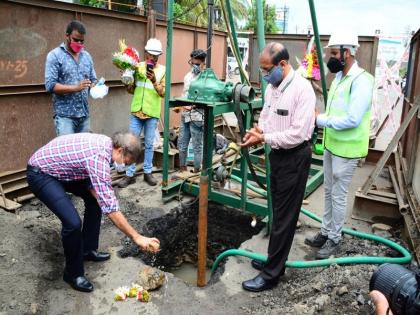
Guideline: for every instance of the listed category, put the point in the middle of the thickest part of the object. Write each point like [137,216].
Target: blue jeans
[68,125]
[136,127]
[191,130]
[75,239]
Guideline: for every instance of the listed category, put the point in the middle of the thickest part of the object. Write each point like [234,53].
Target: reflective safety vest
[352,142]
[145,98]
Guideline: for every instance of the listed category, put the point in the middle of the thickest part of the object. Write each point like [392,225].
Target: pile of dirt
[177,231]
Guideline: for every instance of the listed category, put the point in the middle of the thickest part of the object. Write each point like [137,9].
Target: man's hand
[84,84]
[145,243]
[149,244]
[130,88]
[252,137]
[380,302]
[151,76]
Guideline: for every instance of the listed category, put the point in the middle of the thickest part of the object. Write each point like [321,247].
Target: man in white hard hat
[346,124]
[148,90]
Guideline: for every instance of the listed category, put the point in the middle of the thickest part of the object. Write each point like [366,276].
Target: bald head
[275,52]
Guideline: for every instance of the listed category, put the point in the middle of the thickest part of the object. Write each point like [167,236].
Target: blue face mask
[275,76]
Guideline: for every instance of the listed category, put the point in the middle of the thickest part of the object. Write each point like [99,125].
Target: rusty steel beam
[80,9]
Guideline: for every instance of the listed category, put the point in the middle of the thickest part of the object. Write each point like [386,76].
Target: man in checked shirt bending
[80,164]
[286,124]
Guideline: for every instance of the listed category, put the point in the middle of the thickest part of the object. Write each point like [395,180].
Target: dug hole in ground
[32,262]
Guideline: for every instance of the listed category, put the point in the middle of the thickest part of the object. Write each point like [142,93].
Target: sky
[392,17]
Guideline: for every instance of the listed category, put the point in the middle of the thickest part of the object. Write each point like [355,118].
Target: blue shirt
[62,68]
[360,102]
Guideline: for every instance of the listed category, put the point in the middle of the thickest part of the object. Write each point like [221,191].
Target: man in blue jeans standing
[148,90]
[191,126]
[69,74]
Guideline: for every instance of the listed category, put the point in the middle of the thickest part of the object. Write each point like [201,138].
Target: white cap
[347,40]
[154,47]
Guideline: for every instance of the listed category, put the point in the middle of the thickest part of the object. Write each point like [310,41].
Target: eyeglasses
[77,40]
[265,72]
[194,64]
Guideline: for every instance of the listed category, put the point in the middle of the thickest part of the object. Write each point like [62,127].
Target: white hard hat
[347,40]
[154,46]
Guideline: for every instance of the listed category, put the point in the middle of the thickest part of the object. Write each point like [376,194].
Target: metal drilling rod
[167,94]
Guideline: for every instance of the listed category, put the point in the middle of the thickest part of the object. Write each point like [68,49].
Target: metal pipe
[210,4]
[169,35]
[403,207]
[234,38]
[399,174]
[260,38]
[319,50]
[202,231]
[204,202]
[261,45]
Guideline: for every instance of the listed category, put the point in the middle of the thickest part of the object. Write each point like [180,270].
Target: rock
[343,290]
[34,308]
[384,234]
[301,308]
[151,278]
[381,227]
[28,225]
[317,286]
[322,301]
[360,299]
[298,224]
[35,202]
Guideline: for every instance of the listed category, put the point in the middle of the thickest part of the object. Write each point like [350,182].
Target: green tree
[195,11]
[269,12]
[118,5]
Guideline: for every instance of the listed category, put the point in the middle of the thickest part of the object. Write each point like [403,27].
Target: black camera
[400,286]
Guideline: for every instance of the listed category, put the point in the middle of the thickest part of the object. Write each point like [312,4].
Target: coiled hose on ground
[406,256]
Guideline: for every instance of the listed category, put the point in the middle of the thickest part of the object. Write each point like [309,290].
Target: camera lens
[399,285]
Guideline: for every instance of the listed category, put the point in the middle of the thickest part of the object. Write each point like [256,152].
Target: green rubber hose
[406,256]
[259,191]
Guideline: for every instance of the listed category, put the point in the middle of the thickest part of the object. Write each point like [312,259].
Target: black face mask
[335,65]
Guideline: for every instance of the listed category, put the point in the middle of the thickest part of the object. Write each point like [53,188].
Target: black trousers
[76,239]
[289,173]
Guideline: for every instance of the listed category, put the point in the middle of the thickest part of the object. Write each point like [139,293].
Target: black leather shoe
[94,255]
[257,264]
[79,283]
[148,178]
[258,284]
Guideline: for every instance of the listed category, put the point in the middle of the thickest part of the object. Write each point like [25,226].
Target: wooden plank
[394,142]
[10,204]
[382,194]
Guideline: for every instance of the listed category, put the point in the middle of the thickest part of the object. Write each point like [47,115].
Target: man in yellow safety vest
[346,124]
[148,89]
